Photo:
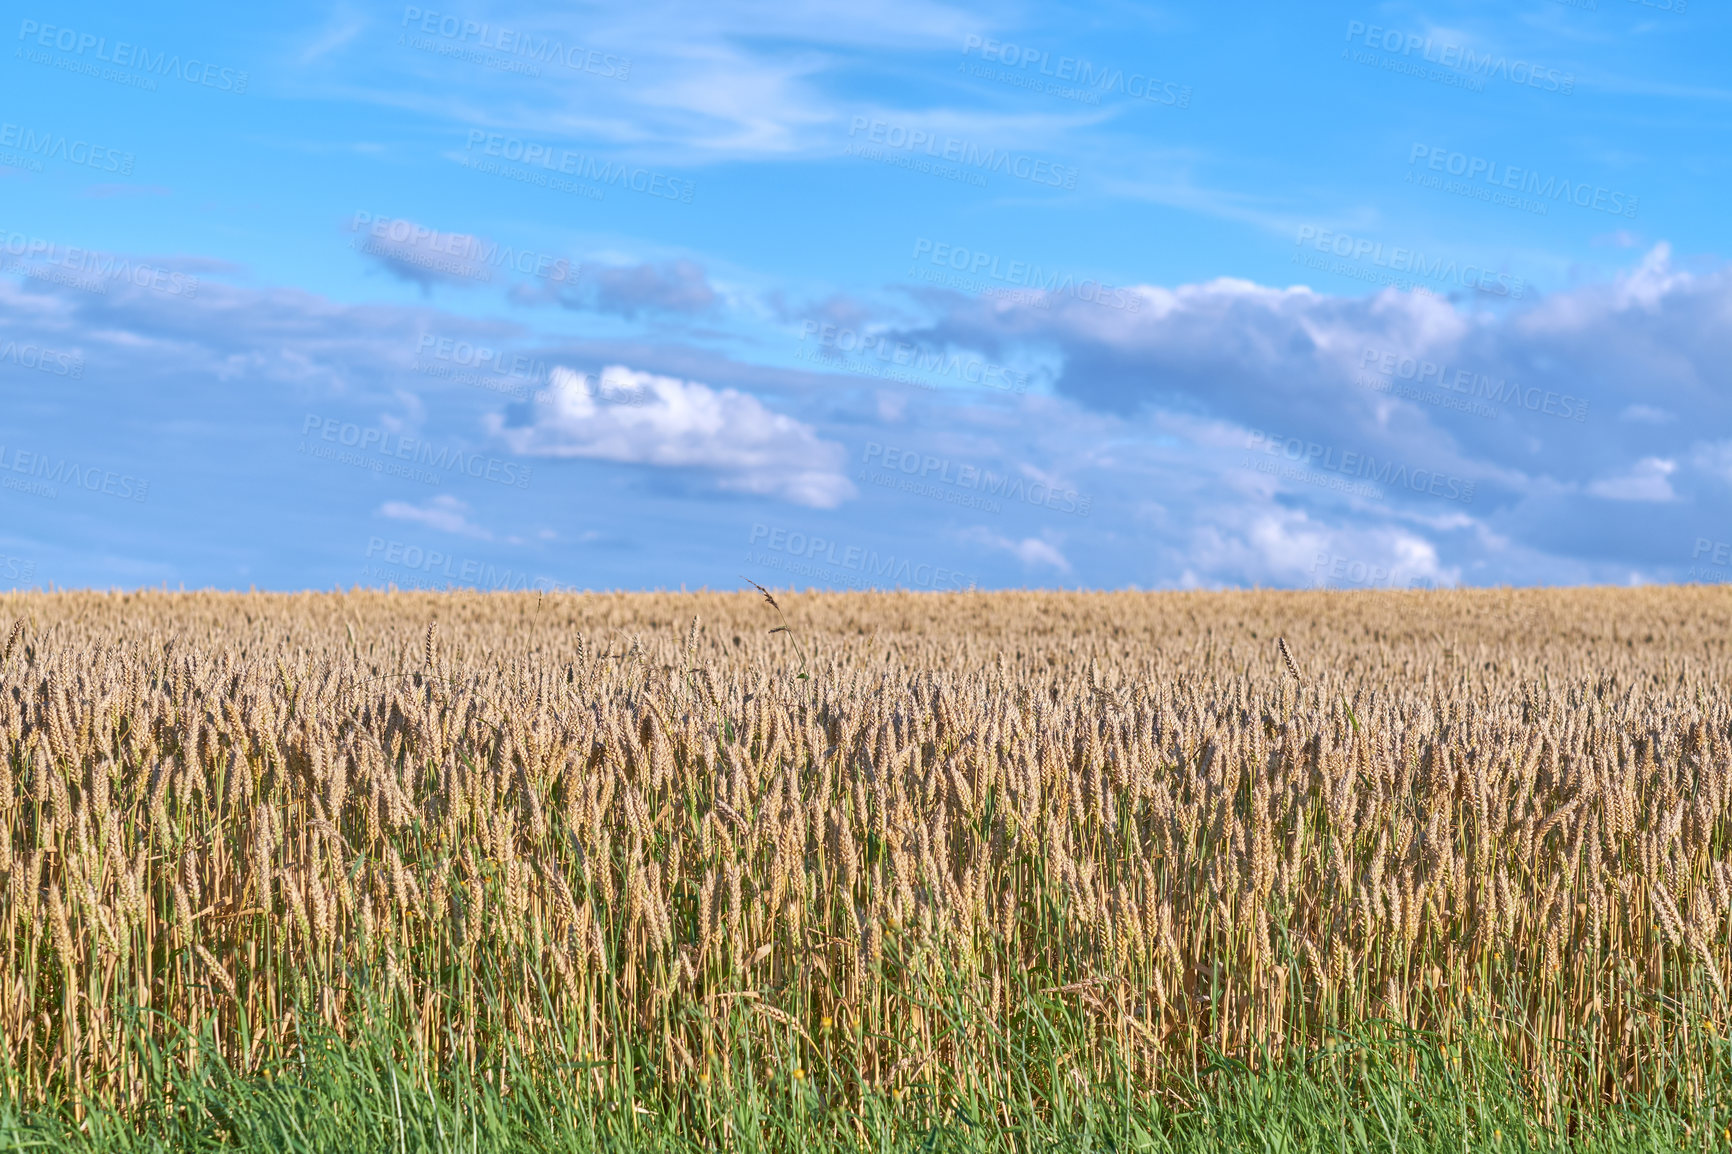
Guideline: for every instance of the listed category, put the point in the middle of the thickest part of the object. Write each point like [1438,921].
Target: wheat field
[858,846]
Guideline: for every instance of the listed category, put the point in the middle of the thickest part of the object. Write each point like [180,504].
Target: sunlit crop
[648,841]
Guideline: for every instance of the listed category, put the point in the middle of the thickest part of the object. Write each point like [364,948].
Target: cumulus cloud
[1151,409]
[1300,550]
[1382,364]
[1549,410]
[1243,542]
[670,423]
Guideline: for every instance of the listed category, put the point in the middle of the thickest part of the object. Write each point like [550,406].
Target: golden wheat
[566,817]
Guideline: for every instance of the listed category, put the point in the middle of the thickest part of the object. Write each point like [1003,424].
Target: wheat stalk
[1542,829]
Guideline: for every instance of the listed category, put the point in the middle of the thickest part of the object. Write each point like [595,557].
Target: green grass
[1365,1093]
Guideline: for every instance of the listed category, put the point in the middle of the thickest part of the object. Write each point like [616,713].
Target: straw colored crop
[619,836]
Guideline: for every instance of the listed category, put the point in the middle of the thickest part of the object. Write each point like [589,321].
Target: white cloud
[1650,284]
[716,83]
[1646,481]
[1031,551]
[444,513]
[1713,458]
[1156,406]
[1647,414]
[1284,546]
[642,419]
[1556,412]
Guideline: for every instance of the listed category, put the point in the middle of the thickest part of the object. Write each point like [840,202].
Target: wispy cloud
[1033,552]
[445,513]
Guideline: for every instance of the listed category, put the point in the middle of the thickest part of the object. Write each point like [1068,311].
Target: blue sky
[916,295]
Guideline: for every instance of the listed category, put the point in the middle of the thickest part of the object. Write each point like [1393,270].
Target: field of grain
[863,851]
